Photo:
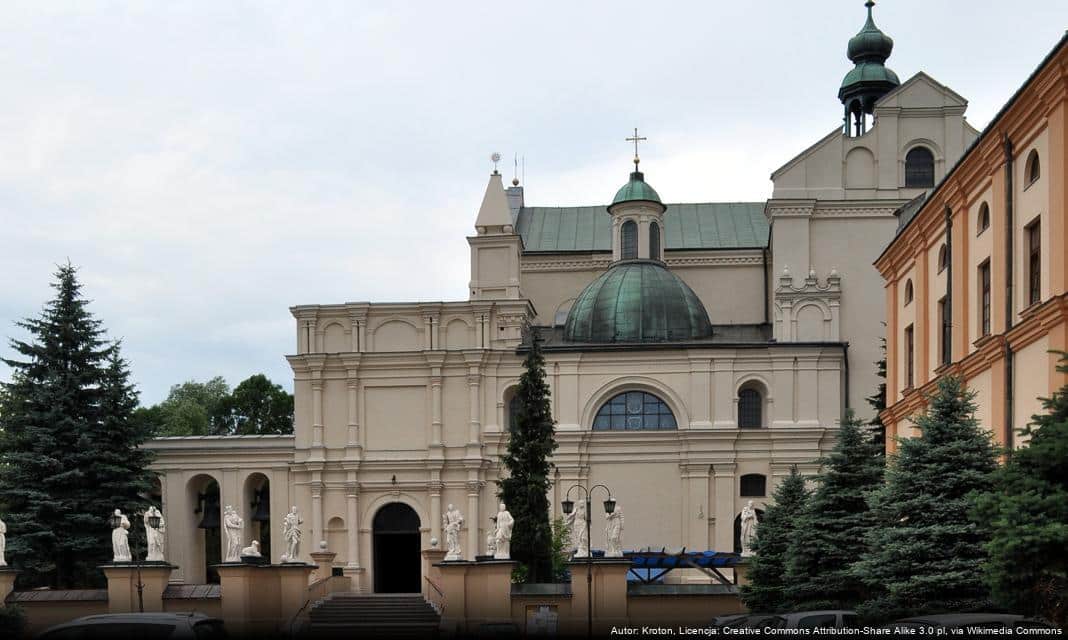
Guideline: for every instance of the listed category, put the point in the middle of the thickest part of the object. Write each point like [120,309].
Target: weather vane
[495,157]
[636,139]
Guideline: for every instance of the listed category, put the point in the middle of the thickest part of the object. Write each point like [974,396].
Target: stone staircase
[378,615]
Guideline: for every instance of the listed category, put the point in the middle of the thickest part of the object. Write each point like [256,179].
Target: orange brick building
[976,276]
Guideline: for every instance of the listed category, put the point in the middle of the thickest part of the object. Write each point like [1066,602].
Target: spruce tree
[877,400]
[67,452]
[525,490]
[829,535]
[1027,512]
[767,568]
[926,554]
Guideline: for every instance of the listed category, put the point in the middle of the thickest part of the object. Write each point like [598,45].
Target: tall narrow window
[909,357]
[629,240]
[983,223]
[1034,264]
[1032,168]
[984,297]
[750,409]
[908,291]
[919,168]
[946,341]
[943,258]
[654,241]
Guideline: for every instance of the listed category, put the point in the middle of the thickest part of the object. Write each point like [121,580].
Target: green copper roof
[869,72]
[636,189]
[706,225]
[871,44]
[637,301]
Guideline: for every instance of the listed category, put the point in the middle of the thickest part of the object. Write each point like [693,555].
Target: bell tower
[496,247]
[870,78]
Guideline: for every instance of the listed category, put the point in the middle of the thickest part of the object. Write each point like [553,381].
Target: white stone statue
[503,537]
[580,534]
[491,538]
[613,533]
[120,539]
[155,535]
[234,527]
[749,527]
[291,534]
[252,551]
[3,543]
[452,521]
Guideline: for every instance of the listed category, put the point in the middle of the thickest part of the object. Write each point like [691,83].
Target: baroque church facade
[694,351]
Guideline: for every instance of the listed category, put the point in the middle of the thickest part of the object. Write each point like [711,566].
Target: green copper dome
[637,301]
[870,79]
[869,72]
[871,44]
[636,189]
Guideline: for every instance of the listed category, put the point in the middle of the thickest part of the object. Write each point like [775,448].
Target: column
[317,513]
[474,488]
[317,410]
[695,515]
[436,436]
[434,488]
[724,505]
[352,520]
[352,375]
[281,501]
[474,432]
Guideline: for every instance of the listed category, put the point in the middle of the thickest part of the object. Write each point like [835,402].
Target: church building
[695,352]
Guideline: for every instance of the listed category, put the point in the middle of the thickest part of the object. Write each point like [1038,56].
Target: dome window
[628,240]
[654,241]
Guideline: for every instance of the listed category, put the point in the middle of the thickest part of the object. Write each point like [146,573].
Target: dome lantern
[870,79]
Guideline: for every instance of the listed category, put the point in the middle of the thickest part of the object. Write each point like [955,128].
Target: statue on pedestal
[613,533]
[580,535]
[252,551]
[452,521]
[3,543]
[749,526]
[503,537]
[120,539]
[291,534]
[491,538]
[234,527]
[155,535]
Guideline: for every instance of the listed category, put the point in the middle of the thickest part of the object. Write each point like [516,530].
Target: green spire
[870,79]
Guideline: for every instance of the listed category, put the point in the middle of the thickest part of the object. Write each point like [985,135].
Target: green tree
[877,400]
[1027,512]
[527,460]
[68,448]
[256,406]
[767,568]
[926,553]
[829,535]
[193,409]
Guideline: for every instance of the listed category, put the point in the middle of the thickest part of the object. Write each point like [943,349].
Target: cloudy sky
[207,165]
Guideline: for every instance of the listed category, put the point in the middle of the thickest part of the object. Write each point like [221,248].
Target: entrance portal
[396,549]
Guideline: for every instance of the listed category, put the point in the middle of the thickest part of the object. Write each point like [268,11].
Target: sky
[207,165]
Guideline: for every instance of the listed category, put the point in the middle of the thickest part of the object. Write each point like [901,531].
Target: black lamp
[569,505]
[609,505]
[153,519]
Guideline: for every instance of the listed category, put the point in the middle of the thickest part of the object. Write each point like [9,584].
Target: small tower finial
[636,139]
[495,157]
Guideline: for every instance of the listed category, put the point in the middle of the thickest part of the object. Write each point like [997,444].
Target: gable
[921,90]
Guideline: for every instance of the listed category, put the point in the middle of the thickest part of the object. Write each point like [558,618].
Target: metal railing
[439,602]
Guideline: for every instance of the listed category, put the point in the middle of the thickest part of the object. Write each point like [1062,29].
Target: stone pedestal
[7,582]
[324,562]
[609,595]
[292,588]
[260,600]
[432,557]
[122,585]
[741,573]
[476,593]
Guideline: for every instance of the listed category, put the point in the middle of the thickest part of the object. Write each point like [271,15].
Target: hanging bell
[211,513]
[261,506]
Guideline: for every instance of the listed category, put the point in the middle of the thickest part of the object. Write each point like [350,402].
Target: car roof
[820,612]
[952,618]
[104,618]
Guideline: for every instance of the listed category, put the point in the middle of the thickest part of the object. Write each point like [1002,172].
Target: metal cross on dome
[636,139]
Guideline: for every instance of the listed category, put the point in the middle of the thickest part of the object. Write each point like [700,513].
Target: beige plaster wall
[980,249]
[1032,203]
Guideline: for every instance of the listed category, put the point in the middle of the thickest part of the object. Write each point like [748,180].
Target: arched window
[908,291]
[943,258]
[634,411]
[560,317]
[654,241]
[983,222]
[753,485]
[1032,169]
[628,238]
[750,408]
[513,411]
[919,168]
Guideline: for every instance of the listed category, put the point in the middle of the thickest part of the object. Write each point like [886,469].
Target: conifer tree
[829,535]
[1027,512]
[767,568]
[67,446]
[525,490]
[926,554]
[877,400]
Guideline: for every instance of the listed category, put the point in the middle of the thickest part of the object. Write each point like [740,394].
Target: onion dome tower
[870,78]
[638,299]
